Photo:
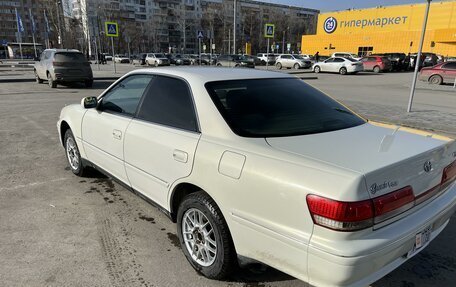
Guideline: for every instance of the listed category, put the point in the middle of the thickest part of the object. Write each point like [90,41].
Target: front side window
[169,102]
[124,97]
[278,108]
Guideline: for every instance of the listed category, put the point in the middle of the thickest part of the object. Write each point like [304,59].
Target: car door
[326,65]
[337,64]
[160,142]
[449,72]
[103,128]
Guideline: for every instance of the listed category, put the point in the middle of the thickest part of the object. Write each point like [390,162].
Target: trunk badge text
[427,166]
[379,186]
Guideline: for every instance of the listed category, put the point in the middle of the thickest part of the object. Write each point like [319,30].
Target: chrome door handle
[180,156]
[117,134]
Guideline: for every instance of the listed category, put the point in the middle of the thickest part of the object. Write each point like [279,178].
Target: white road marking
[31,184]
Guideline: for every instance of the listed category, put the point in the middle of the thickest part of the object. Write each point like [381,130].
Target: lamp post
[418,57]
[234,29]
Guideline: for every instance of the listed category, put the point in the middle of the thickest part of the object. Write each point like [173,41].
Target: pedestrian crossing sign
[269,30]
[111,29]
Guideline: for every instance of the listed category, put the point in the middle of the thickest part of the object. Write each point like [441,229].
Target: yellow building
[385,29]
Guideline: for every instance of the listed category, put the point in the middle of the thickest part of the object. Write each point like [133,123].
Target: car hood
[389,157]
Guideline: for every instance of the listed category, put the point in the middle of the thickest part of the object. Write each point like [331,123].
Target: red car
[376,63]
[441,73]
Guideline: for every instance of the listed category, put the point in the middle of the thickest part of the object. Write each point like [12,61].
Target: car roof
[64,50]
[210,74]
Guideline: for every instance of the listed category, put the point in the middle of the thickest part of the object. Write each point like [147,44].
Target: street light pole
[234,29]
[418,57]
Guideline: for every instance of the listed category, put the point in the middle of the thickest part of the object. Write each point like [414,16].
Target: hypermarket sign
[330,24]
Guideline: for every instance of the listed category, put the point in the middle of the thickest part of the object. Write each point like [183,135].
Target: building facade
[172,25]
[385,29]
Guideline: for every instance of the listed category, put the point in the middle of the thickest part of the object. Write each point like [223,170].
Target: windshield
[70,57]
[299,57]
[278,108]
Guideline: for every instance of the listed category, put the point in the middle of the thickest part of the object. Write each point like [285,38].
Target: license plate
[421,240]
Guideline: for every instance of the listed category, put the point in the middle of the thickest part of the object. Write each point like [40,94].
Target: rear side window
[168,102]
[338,60]
[70,57]
[278,108]
[451,66]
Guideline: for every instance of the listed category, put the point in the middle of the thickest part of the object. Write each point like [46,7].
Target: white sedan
[121,59]
[258,165]
[339,65]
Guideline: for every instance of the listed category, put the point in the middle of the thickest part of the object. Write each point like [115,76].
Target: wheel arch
[64,126]
[180,191]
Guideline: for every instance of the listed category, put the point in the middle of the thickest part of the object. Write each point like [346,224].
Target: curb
[16,80]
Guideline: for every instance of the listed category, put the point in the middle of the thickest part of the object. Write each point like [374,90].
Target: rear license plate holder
[422,239]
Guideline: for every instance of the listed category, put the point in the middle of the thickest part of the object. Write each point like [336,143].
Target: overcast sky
[333,5]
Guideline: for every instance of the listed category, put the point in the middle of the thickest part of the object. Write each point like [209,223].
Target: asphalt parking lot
[60,230]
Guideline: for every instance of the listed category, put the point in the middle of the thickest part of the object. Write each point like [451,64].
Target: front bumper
[386,250]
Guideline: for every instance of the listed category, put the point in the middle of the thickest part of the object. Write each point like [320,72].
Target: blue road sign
[4,42]
[200,34]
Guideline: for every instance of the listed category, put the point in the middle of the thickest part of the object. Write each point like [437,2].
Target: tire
[72,154]
[51,82]
[219,65]
[343,71]
[317,69]
[296,66]
[435,80]
[147,63]
[88,83]
[377,69]
[279,66]
[221,260]
[37,78]
[156,64]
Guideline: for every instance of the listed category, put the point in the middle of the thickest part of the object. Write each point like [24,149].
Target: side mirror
[89,102]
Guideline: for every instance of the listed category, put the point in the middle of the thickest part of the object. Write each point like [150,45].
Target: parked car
[439,74]
[235,61]
[261,166]
[178,59]
[339,65]
[346,55]
[207,59]
[119,58]
[376,64]
[399,61]
[255,59]
[269,58]
[59,66]
[139,59]
[292,61]
[107,57]
[157,59]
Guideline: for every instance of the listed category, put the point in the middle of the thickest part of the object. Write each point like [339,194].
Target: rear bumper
[364,261]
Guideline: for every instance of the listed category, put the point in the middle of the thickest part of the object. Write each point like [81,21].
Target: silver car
[292,61]
[157,59]
[63,66]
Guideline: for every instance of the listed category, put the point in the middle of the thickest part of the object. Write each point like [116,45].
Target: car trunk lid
[390,158]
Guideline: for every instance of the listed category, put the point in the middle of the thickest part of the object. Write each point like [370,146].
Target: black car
[399,61]
[235,61]
[139,59]
[178,59]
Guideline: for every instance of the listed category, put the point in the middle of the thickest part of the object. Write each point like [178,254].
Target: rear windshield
[70,57]
[278,108]
[351,59]
[160,56]
[299,57]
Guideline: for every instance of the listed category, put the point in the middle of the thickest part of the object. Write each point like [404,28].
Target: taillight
[449,173]
[351,216]
[394,203]
[342,216]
